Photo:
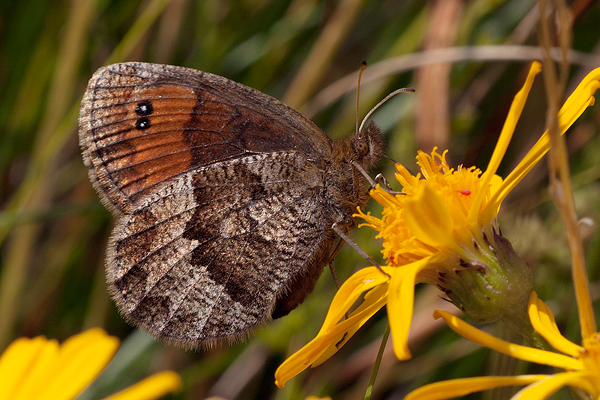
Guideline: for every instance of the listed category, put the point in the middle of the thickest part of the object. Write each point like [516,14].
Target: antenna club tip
[411,89]
[364,63]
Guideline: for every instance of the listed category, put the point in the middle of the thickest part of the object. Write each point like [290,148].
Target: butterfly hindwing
[206,258]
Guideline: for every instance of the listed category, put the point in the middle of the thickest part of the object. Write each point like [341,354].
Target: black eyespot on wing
[142,123]
[144,108]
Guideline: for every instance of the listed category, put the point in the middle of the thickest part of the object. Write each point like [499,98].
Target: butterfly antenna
[389,96]
[362,68]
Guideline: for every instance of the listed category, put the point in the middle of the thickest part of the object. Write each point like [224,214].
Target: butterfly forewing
[142,124]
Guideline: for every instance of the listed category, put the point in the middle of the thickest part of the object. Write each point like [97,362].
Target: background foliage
[53,230]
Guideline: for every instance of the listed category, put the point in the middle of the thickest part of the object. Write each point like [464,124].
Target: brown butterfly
[224,197]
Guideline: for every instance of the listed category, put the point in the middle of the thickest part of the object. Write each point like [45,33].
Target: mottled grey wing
[142,124]
[204,259]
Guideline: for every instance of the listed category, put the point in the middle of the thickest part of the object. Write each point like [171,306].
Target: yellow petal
[360,282]
[491,209]
[314,349]
[508,129]
[427,216]
[579,99]
[550,384]
[514,113]
[543,322]
[81,358]
[334,336]
[462,387]
[405,177]
[401,300]
[25,366]
[576,104]
[383,197]
[374,300]
[522,352]
[150,388]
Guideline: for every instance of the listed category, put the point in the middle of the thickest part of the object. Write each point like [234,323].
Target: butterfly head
[367,146]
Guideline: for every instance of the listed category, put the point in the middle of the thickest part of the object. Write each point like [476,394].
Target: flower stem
[560,177]
[384,340]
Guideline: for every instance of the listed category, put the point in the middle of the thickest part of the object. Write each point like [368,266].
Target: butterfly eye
[361,148]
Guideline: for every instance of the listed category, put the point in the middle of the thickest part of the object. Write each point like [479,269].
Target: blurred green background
[53,230]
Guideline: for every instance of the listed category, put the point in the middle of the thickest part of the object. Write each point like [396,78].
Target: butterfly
[224,198]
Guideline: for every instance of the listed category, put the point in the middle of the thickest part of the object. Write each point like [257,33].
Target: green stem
[384,340]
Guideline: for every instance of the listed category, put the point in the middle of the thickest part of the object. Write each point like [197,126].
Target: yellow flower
[442,230]
[581,363]
[42,369]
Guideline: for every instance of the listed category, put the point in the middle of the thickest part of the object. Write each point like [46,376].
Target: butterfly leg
[360,251]
[334,253]
[388,188]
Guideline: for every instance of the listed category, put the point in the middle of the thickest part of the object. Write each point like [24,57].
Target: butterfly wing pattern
[224,196]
